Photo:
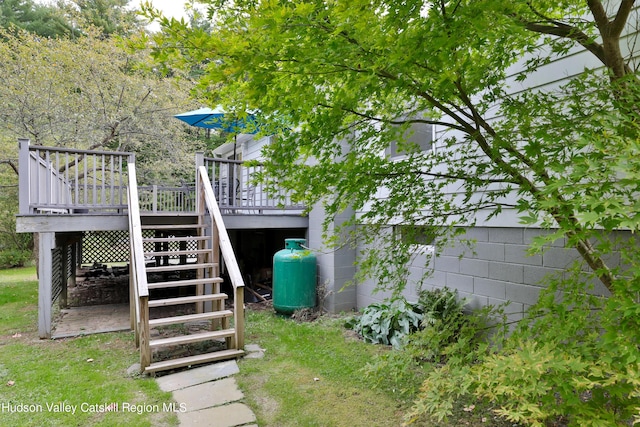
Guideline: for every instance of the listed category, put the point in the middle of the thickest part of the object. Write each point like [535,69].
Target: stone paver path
[209,395]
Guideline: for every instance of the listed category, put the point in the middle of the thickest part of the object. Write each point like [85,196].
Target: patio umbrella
[217,118]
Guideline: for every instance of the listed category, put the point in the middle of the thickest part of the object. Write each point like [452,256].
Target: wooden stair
[194,360]
[175,280]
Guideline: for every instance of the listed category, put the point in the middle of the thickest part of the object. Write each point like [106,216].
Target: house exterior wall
[252,148]
[499,270]
[336,267]
[496,269]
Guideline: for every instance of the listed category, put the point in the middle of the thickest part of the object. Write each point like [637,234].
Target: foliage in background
[10,258]
[93,93]
[69,18]
[15,248]
[43,20]
[89,92]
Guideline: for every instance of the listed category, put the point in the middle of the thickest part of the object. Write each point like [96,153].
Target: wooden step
[190,318]
[172,226]
[187,339]
[187,300]
[186,252]
[175,239]
[189,282]
[194,360]
[180,267]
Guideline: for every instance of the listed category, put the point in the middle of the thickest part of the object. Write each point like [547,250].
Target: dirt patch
[307,314]
[260,306]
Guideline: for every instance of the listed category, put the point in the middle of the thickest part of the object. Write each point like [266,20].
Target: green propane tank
[294,277]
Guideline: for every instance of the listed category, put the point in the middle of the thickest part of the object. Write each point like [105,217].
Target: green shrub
[574,361]
[387,324]
[445,332]
[14,258]
[440,305]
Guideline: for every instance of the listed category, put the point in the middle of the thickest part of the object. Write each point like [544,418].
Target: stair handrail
[137,274]
[206,191]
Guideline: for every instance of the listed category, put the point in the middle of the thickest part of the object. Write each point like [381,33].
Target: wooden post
[132,298]
[74,263]
[238,316]
[46,244]
[65,275]
[155,199]
[24,177]
[143,328]
[79,252]
[199,196]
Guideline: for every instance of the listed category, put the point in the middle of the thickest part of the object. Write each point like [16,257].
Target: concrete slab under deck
[76,321]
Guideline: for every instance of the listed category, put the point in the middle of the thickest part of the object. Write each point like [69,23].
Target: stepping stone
[196,376]
[235,414]
[207,395]
[253,351]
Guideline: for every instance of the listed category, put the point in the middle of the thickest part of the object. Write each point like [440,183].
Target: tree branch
[561,30]
[394,122]
[617,25]
[11,164]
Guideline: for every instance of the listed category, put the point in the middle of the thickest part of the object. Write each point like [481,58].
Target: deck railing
[139,290]
[66,181]
[62,180]
[237,190]
[159,199]
[221,244]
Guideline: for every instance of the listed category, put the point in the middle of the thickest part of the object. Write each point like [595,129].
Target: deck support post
[64,276]
[46,245]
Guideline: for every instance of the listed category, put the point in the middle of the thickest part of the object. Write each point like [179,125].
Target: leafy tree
[12,244]
[43,20]
[339,82]
[87,93]
[112,17]
[342,74]
[92,93]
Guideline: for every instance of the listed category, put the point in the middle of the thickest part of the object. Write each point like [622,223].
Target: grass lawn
[43,381]
[312,375]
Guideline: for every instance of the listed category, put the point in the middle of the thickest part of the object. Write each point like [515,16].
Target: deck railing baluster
[67,183]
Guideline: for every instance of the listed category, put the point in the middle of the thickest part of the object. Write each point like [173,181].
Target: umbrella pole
[235,144]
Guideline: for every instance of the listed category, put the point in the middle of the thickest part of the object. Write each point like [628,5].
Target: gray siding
[496,270]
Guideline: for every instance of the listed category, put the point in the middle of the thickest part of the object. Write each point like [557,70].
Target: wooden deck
[65,190]
[66,193]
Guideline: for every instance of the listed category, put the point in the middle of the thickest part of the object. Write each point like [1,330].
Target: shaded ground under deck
[95,319]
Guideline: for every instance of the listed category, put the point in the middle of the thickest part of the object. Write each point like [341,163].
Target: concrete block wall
[496,269]
[336,267]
